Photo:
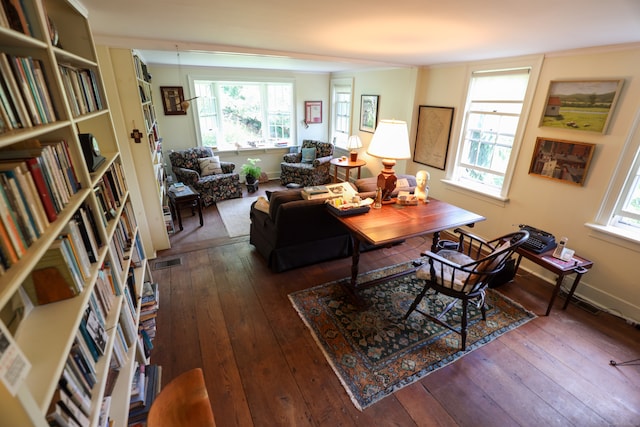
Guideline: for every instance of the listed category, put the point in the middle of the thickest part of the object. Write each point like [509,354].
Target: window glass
[341,112]
[495,102]
[244,115]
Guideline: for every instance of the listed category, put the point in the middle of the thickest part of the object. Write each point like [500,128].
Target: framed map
[432,136]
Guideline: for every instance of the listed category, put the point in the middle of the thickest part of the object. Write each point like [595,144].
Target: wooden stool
[183,402]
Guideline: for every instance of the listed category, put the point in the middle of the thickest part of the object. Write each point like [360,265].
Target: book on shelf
[16,16]
[81,399]
[96,330]
[13,92]
[62,401]
[153,375]
[53,278]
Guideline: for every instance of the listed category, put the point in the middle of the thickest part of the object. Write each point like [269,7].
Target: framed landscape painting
[560,160]
[584,105]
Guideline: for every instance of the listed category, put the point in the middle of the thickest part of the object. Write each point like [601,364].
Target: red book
[43,190]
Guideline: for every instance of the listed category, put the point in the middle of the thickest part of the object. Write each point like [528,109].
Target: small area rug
[374,352]
[235,215]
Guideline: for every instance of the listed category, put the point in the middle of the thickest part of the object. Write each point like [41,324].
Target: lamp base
[354,156]
[387,181]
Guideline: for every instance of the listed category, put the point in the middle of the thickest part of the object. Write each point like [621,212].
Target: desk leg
[555,293]
[200,210]
[355,260]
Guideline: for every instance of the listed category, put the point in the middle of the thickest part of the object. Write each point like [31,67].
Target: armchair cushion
[308,155]
[210,165]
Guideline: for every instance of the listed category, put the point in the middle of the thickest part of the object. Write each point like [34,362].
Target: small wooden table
[348,165]
[188,196]
[577,264]
[393,223]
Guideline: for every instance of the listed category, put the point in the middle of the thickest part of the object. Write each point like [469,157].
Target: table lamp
[353,144]
[390,142]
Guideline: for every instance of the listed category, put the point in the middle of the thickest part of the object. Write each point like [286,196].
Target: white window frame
[340,138]
[625,174]
[240,80]
[534,64]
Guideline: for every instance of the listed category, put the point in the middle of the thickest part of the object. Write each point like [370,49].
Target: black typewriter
[539,241]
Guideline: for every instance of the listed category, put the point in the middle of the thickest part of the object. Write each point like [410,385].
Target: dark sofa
[298,232]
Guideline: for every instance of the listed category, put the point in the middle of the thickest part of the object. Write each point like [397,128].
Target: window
[620,211]
[491,129]
[341,95]
[244,115]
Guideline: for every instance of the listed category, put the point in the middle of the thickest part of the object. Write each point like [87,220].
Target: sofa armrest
[186,176]
[292,158]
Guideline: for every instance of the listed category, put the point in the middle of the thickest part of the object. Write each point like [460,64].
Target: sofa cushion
[262,204]
[209,166]
[278,198]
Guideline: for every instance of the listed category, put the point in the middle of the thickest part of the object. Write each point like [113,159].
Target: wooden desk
[347,165]
[577,264]
[393,223]
[188,196]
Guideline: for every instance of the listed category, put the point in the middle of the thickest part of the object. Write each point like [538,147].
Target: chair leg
[416,301]
[463,326]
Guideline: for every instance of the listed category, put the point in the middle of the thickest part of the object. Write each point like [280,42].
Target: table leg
[573,288]
[335,173]
[355,260]
[179,215]
[359,167]
[200,210]
[556,289]
[434,242]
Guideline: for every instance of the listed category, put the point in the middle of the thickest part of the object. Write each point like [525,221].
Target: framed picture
[584,105]
[560,160]
[312,112]
[172,96]
[368,113]
[432,136]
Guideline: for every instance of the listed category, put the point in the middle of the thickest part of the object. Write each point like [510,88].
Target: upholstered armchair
[310,166]
[213,179]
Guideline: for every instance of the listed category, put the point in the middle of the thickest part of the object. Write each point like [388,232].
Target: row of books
[110,191]
[149,306]
[12,15]
[71,403]
[36,183]
[81,88]
[25,100]
[144,389]
[65,267]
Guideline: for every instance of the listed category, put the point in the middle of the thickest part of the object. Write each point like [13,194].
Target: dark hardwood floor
[224,311]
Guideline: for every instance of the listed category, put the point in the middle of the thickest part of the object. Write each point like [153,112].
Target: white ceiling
[335,35]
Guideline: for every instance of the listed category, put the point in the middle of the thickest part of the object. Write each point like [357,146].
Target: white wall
[559,208]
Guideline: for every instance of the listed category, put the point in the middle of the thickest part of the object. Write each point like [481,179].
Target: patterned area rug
[374,352]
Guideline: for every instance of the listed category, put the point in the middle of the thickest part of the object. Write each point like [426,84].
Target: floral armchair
[222,184]
[310,166]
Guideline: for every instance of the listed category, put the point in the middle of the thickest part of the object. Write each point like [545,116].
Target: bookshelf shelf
[72,264]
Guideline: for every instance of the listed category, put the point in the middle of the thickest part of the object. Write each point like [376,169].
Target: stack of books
[316,192]
[144,389]
[149,305]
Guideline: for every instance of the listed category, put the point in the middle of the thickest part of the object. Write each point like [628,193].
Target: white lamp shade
[354,142]
[390,140]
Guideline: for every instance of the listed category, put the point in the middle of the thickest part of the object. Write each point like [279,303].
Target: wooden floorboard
[221,309]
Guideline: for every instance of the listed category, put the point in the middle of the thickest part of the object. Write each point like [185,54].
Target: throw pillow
[209,165]
[308,155]
[262,205]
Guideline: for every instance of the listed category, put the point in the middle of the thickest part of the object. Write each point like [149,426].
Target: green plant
[251,170]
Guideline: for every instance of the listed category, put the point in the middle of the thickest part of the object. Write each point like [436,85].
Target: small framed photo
[368,113]
[584,105]
[172,96]
[312,112]
[432,136]
[560,160]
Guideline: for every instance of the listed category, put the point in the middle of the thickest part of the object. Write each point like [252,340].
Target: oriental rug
[374,352]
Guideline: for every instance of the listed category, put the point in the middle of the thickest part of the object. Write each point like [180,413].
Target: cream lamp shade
[353,144]
[390,142]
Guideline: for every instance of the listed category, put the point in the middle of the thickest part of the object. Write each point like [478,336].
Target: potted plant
[251,170]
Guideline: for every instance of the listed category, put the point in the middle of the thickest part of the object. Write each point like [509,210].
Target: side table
[188,196]
[576,264]
[347,165]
